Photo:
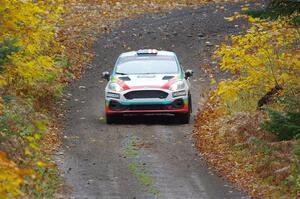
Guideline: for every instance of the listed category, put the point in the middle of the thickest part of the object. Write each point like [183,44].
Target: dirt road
[144,157]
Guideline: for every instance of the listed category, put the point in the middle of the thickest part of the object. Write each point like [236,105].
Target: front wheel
[184,118]
[110,119]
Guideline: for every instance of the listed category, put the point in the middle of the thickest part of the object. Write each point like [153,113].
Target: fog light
[179,93]
[113,95]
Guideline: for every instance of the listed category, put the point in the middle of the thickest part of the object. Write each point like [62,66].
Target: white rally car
[148,81]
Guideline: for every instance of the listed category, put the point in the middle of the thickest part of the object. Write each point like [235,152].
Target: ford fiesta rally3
[148,82]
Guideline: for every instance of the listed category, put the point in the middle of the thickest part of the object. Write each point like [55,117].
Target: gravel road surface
[144,157]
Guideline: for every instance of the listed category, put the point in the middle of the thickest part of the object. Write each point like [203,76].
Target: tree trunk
[268,96]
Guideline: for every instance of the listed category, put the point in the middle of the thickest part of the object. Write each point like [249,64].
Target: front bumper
[169,104]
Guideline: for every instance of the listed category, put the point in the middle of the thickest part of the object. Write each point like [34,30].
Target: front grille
[146,94]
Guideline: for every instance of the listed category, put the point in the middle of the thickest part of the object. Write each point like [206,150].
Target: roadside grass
[131,150]
[49,181]
[137,168]
[28,140]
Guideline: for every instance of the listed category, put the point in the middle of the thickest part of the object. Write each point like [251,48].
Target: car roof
[159,53]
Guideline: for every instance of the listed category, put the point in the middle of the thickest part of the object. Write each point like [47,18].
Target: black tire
[184,118]
[110,119]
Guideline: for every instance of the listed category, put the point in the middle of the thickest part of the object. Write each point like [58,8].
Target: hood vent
[125,78]
[146,76]
[168,77]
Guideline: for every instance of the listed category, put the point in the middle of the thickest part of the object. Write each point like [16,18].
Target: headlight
[180,85]
[113,95]
[115,87]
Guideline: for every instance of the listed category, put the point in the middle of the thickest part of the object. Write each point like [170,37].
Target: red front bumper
[184,110]
[168,108]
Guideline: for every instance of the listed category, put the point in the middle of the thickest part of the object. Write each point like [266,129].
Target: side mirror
[106,75]
[188,73]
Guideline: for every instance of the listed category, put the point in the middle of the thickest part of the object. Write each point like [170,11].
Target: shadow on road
[147,120]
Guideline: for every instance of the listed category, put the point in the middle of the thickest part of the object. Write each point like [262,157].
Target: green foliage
[285,124]
[21,131]
[296,151]
[261,146]
[277,8]
[294,178]
[63,61]
[20,123]
[296,20]
[7,47]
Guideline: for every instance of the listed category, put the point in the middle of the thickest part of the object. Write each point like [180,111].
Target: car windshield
[147,65]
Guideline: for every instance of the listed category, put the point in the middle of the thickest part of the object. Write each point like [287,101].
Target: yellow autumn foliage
[10,178]
[32,24]
[27,66]
[268,55]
